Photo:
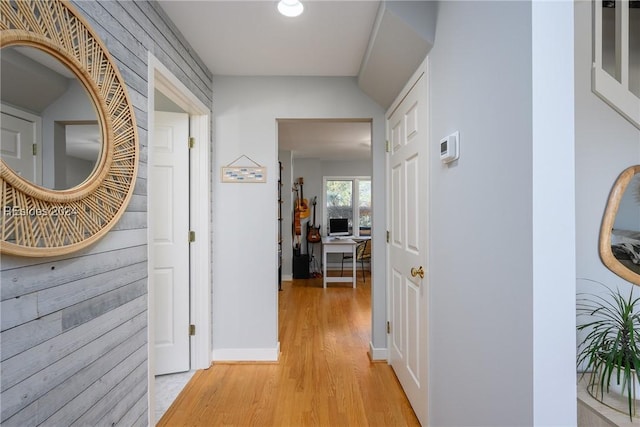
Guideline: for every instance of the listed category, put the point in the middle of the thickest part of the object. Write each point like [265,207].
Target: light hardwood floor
[324,376]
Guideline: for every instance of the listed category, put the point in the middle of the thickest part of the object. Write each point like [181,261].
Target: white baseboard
[246,354]
[287,277]
[378,354]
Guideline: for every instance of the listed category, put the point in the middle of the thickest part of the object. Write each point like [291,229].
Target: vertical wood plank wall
[73,340]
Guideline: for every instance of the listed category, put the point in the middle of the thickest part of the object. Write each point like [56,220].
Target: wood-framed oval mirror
[620,231]
[48,220]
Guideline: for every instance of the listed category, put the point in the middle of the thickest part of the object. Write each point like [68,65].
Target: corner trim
[378,354]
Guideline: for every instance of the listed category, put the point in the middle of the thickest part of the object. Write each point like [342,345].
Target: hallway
[324,376]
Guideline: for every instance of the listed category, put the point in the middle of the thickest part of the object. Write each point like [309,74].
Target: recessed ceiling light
[290,8]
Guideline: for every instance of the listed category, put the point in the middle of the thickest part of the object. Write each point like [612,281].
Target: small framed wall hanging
[235,173]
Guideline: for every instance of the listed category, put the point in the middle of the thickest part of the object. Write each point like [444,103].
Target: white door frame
[160,78]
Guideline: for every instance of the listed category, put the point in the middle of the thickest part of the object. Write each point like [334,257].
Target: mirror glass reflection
[50,129]
[625,235]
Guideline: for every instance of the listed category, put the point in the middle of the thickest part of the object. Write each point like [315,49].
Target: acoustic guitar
[303,204]
[296,213]
[313,234]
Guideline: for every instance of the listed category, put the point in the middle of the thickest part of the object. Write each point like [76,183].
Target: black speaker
[301,266]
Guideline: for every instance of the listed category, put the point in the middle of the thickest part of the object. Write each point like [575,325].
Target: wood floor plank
[324,376]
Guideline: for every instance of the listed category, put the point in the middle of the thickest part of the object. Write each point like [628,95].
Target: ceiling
[33,80]
[250,38]
[325,139]
[331,38]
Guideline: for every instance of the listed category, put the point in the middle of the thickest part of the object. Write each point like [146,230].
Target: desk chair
[363,254]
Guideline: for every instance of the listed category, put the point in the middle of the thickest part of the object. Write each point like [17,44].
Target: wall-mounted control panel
[450,147]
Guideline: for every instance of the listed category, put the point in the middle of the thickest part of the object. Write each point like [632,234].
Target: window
[616,62]
[349,197]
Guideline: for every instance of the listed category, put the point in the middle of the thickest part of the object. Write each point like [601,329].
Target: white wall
[77,170]
[485,304]
[245,228]
[73,105]
[347,168]
[628,216]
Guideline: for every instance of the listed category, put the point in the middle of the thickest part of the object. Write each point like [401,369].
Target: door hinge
[34,149]
[387,146]
[387,236]
[388,327]
[192,142]
[192,330]
[192,236]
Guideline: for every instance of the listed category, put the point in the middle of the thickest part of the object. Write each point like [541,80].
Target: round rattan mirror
[38,221]
[620,232]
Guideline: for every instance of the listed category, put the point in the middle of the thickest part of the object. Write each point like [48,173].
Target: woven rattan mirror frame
[36,221]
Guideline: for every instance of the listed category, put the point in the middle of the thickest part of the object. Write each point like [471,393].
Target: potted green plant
[610,350]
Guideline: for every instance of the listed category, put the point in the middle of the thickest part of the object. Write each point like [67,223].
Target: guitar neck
[314,212]
[301,182]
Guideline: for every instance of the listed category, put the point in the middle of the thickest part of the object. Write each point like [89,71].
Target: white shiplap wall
[73,334]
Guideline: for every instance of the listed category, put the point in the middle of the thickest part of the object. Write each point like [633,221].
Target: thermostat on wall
[449,148]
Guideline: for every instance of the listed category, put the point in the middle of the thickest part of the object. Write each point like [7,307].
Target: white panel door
[407,134]
[169,228]
[16,144]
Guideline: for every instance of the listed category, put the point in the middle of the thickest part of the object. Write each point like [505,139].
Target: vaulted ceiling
[379,43]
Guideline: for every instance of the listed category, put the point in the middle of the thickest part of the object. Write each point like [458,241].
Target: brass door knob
[417,272]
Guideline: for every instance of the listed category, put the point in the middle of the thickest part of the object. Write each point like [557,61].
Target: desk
[338,245]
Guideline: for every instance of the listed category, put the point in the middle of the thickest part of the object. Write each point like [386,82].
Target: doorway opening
[178,191]
[313,152]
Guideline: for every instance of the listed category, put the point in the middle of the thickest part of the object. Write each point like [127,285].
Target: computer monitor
[338,226]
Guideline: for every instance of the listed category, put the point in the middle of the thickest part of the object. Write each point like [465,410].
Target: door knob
[417,272]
